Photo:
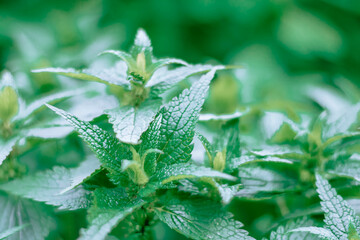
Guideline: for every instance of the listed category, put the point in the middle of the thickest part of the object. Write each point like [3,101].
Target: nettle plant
[143,172]
[136,180]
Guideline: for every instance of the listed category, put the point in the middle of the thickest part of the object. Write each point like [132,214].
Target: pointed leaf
[107,148]
[16,212]
[286,233]
[7,233]
[6,147]
[338,214]
[179,118]
[115,75]
[129,122]
[163,79]
[200,218]
[48,99]
[56,187]
[111,208]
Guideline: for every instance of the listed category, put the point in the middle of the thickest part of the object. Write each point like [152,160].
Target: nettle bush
[143,172]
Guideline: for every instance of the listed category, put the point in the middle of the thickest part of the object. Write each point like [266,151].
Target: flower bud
[9,105]
[219,162]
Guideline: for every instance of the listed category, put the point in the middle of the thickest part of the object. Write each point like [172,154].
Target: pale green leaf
[130,122]
[323,233]
[179,171]
[224,117]
[6,147]
[259,182]
[115,75]
[7,233]
[285,233]
[16,212]
[32,107]
[163,78]
[338,213]
[58,187]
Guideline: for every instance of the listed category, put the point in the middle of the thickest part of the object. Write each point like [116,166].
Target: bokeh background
[287,43]
[291,53]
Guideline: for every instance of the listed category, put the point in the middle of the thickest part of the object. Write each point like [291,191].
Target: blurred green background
[285,37]
[282,43]
[284,47]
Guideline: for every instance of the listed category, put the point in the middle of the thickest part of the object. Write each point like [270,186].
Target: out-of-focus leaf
[16,212]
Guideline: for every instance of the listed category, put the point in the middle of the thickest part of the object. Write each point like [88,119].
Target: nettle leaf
[200,218]
[150,140]
[258,182]
[210,151]
[58,187]
[7,233]
[279,128]
[165,78]
[287,232]
[111,207]
[115,75]
[16,212]
[179,118]
[140,60]
[6,146]
[178,171]
[32,107]
[224,117]
[322,233]
[347,167]
[48,132]
[130,122]
[249,159]
[341,123]
[107,148]
[338,214]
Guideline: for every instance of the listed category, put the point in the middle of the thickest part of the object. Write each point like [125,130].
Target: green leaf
[11,231]
[342,123]
[224,117]
[179,171]
[32,107]
[338,214]
[259,182]
[6,147]
[111,207]
[16,212]
[322,233]
[249,159]
[174,172]
[58,187]
[348,167]
[48,132]
[130,122]
[163,78]
[179,118]
[200,218]
[150,140]
[207,145]
[107,148]
[286,233]
[115,75]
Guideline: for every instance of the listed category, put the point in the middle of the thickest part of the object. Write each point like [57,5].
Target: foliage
[172,150]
